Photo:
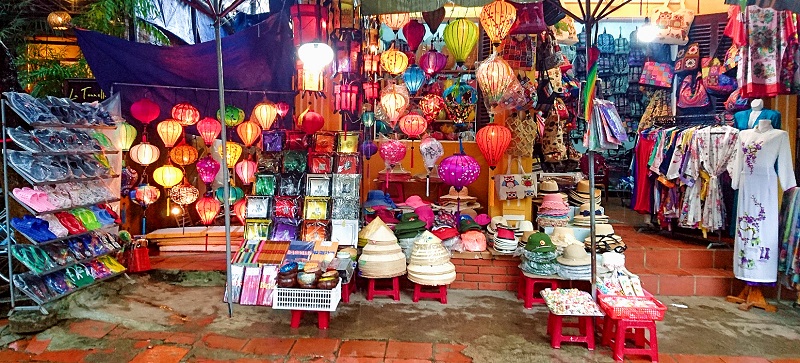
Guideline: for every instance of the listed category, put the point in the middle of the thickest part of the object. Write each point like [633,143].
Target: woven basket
[523,135]
[432,275]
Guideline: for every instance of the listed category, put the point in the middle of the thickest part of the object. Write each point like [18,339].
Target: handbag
[715,79]
[636,56]
[736,103]
[731,59]
[515,186]
[530,19]
[519,51]
[673,25]
[524,132]
[692,93]
[553,146]
[688,59]
[552,12]
[561,108]
[565,32]
[657,74]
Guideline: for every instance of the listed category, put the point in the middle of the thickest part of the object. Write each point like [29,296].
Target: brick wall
[484,271]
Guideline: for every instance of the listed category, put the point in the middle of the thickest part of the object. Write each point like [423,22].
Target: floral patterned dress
[755,256]
[767,63]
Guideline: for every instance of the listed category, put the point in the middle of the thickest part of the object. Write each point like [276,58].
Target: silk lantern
[459,99]
[209,129]
[232,153]
[144,154]
[497,18]
[460,36]
[207,169]
[129,177]
[394,61]
[169,131]
[431,105]
[431,150]
[265,114]
[236,193]
[371,90]
[395,21]
[283,108]
[145,195]
[310,121]
[309,22]
[167,175]
[414,31]
[413,125]
[367,115]
[368,148]
[246,170]
[434,19]
[233,115]
[413,77]
[371,63]
[186,114]
[493,141]
[394,102]
[183,155]
[126,134]
[459,170]
[145,110]
[184,194]
[249,132]
[240,209]
[432,62]
[345,98]
[494,75]
[315,56]
[208,208]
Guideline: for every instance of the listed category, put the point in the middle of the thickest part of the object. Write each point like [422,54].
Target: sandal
[111,263]
[79,275]
[72,224]
[24,139]
[54,225]
[98,269]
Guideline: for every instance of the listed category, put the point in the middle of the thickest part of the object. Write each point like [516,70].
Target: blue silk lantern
[413,77]
[368,148]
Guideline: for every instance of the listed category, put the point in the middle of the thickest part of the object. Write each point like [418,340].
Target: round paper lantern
[459,170]
[249,132]
[126,134]
[236,193]
[207,208]
[392,152]
[394,102]
[169,131]
[233,152]
[265,113]
[413,125]
[233,115]
[167,175]
[183,154]
[283,108]
[493,140]
[414,31]
[145,110]
[207,169]
[145,195]
[368,148]
[395,21]
[494,75]
[209,129]
[184,194]
[497,19]
[431,105]
[431,150]
[315,56]
[144,154]
[414,77]
[394,61]
[432,62]
[434,19]
[240,209]
[310,121]
[186,114]
[246,170]
[460,35]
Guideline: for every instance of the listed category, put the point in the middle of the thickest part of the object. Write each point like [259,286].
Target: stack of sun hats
[582,218]
[547,187]
[539,256]
[582,193]
[430,262]
[553,212]
[563,237]
[468,224]
[575,263]
[494,222]
[369,229]
[605,240]
[459,200]
[382,257]
[504,240]
[407,231]
[422,208]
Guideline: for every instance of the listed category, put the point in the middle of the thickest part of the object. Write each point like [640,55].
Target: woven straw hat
[574,255]
[369,229]
[563,237]
[382,234]
[443,274]
[382,259]
[428,250]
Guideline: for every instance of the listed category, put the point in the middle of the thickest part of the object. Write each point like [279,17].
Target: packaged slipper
[58,283]
[98,269]
[79,275]
[29,108]
[33,285]
[60,253]
[78,248]
[112,264]
[24,139]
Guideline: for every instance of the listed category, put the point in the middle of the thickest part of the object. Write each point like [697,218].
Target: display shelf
[57,297]
[59,268]
[35,213]
[62,238]
[72,180]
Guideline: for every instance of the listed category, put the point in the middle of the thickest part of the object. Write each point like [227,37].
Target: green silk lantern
[126,134]
[460,36]
[233,115]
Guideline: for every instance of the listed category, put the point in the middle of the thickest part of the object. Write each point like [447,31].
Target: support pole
[10,259]
[589,22]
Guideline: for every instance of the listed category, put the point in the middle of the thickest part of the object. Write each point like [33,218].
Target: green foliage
[14,25]
[46,71]
[111,17]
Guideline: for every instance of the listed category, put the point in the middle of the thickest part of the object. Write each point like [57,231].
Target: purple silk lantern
[368,148]
[207,168]
[459,170]
[432,62]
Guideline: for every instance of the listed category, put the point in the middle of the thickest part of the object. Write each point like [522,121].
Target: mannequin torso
[756,107]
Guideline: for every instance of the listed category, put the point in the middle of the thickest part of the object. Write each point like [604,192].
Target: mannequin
[760,151]
[744,120]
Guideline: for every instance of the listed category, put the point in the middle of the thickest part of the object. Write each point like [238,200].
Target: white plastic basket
[308,299]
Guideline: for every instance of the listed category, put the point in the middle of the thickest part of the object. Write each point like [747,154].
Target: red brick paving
[91,328]
[37,346]
[315,347]
[161,354]
[268,346]
[217,341]
[363,348]
[407,350]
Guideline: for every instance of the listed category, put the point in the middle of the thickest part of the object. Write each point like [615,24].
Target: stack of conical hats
[370,228]
[430,262]
[381,256]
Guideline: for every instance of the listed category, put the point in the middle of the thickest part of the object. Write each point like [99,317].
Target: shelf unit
[115,159]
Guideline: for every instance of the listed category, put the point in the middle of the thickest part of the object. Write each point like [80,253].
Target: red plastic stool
[394,292]
[527,285]
[349,289]
[323,317]
[440,295]
[556,325]
[609,327]
[648,347]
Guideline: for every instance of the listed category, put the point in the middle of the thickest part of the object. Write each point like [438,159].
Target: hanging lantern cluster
[494,76]
[460,36]
[493,141]
[497,18]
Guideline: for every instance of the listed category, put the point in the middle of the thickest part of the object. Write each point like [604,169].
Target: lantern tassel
[428,184]
[412,154]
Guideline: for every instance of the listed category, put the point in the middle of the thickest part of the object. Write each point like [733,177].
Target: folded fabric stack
[575,263]
[583,217]
[381,256]
[505,241]
[582,194]
[553,212]
[539,256]
[430,262]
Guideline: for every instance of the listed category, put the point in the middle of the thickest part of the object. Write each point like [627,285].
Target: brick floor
[91,328]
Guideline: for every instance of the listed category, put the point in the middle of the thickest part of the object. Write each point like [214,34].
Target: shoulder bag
[673,25]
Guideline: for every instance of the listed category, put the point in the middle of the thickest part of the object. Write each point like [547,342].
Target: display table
[570,303]
[193,239]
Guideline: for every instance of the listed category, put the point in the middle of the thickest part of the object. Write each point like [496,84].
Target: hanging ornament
[169,131]
[233,115]
[233,152]
[207,169]
[414,31]
[236,193]
[394,102]
[240,209]
[208,209]
[459,170]
[246,170]
[497,18]
[345,98]
[129,178]
[394,61]
[461,35]
[265,114]
[494,75]
[431,105]
[493,141]
[209,129]
[310,121]
[184,194]
[144,154]
[145,195]
[167,176]
[283,108]
[367,115]
[186,114]
[434,19]
[145,110]
[183,155]
[432,62]
[431,150]
[413,77]
[413,125]
[460,99]
[368,148]
[395,21]
[249,132]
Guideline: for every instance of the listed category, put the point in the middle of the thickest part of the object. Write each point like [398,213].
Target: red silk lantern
[497,19]
[493,141]
[310,121]
[249,132]
[145,110]
[432,62]
[309,23]
[345,97]
[371,90]
[371,62]
[414,31]
[283,108]
[413,125]
[431,105]
[186,114]
[169,131]
[240,209]
[208,208]
[209,129]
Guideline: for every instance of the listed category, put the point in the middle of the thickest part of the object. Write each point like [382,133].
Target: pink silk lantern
[246,170]
[207,169]
[459,171]
[414,31]
[432,62]
[209,129]
[392,152]
[283,108]
[145,110]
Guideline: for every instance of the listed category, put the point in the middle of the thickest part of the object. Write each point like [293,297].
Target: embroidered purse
[657,75]
[688,59]
[673,25]
[692,93]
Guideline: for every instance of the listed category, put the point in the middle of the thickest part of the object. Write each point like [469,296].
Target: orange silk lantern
[497,19]
[169,131]
[208,208]
[209,129]
[240,209]
[413,125]
[249,132]
[265,114]
[186,114]
[183,154]
[493,141]
[394,102]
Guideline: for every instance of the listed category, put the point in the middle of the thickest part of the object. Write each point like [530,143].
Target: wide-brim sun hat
[574,255]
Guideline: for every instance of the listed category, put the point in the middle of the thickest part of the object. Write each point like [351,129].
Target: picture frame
[318,185]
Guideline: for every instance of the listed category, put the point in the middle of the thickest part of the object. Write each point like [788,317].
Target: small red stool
[323,317]
[556,325]
[622,329]
[349,289]
[394,292]
[440,295]
[527,285]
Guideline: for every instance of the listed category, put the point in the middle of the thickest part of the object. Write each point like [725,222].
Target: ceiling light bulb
[648,32]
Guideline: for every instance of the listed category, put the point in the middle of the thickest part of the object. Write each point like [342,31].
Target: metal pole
[226,188]
[588,24]
[8,215]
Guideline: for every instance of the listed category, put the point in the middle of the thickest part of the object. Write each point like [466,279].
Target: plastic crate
[308,299]
[633,313]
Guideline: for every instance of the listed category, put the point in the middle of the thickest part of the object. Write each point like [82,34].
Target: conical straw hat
[369,229]
[432,275]
[382,234]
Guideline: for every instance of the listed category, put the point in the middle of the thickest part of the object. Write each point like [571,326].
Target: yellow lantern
[494,75]
[395,21]
[169,130]
[265,113]
[497,19]
[394,61]
[144,154]
[394,102]
[126,134]
[183,154]
[249,131]
[234,151]
[168,176]
[460,36]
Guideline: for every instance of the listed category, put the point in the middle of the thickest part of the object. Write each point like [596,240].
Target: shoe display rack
[70,162]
